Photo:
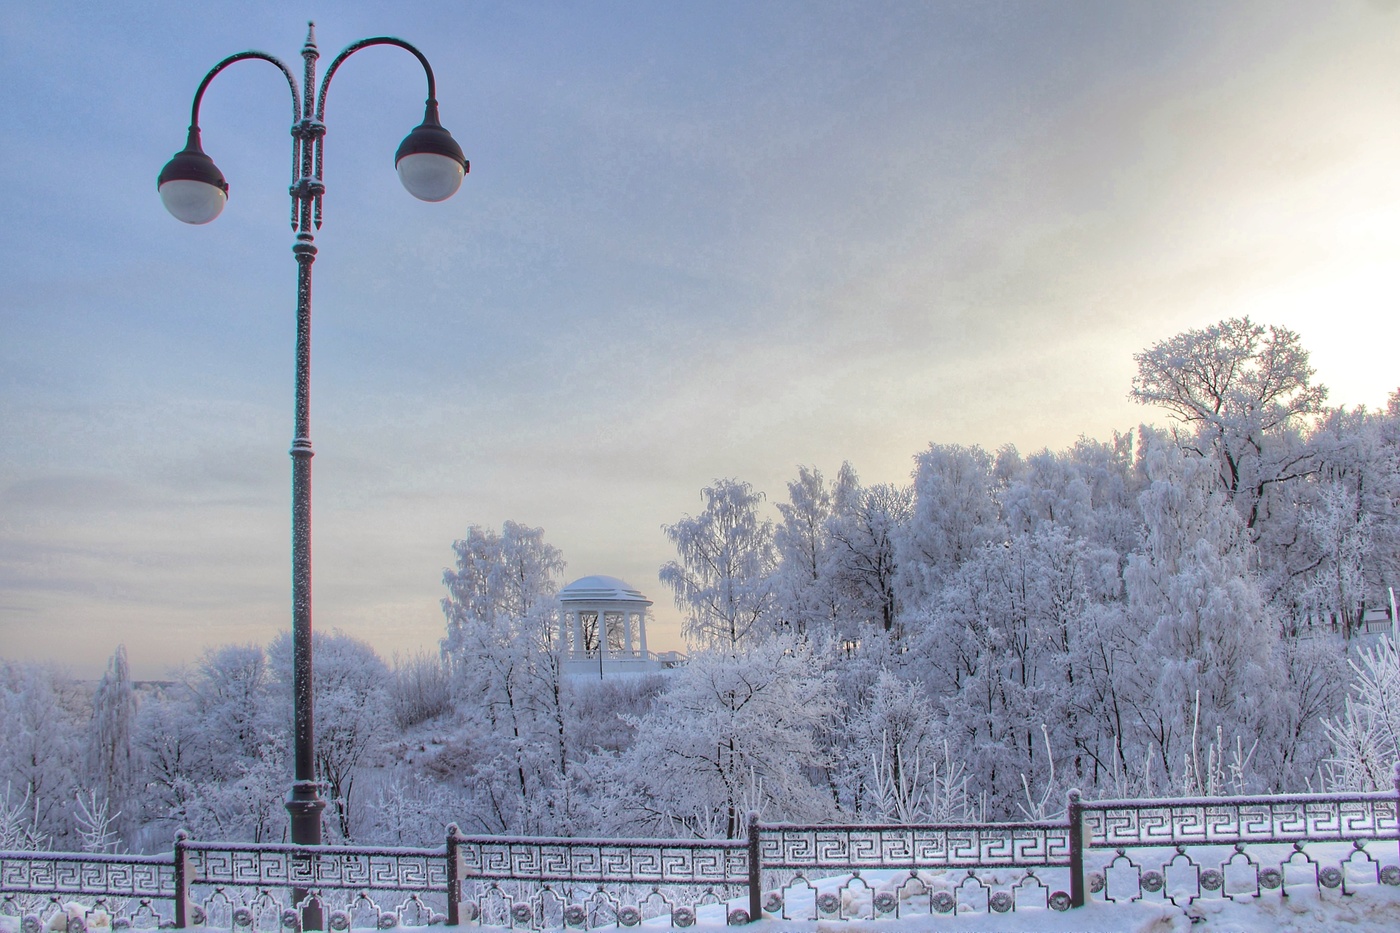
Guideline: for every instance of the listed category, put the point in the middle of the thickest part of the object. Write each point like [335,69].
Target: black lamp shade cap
[430,138]
[191,164]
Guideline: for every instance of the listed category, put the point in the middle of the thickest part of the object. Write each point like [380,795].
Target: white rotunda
[603,628]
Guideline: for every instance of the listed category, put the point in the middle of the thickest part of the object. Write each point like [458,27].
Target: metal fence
[1174,850]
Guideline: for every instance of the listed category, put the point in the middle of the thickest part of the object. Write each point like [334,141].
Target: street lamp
[431,165]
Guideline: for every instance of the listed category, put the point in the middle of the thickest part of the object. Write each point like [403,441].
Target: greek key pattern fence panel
[1019,845]
[611,861]
[332,867]
[78,874]
[1114,824]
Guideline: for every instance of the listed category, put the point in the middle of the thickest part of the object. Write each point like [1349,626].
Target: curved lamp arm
[364,44]
[241,56]
[191,185]
[429,161]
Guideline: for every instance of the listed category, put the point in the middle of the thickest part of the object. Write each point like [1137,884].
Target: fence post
[1075,812]
[454,876]
[1395,779]
[182,880]
[755,871]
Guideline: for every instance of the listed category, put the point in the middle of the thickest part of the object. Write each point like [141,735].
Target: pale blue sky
[698,240]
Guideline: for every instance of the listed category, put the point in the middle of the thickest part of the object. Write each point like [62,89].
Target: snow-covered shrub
[732,733]
[1366,737]
[420,689]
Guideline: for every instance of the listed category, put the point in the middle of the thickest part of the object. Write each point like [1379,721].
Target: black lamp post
[430,165]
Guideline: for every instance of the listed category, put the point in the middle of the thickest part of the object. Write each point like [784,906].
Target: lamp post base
[304,806]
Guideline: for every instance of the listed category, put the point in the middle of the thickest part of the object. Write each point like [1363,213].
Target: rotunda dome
[601,589]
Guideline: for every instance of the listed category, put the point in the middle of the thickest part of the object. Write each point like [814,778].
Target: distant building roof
[599,588]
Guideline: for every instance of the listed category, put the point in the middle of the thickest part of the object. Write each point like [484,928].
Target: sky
[699,240]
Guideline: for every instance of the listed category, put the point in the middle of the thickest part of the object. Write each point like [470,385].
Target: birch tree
[722,580]
[502,624]
[804,599]
[866,531]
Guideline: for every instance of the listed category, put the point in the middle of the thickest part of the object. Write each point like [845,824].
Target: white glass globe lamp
[429,161]
[191,186]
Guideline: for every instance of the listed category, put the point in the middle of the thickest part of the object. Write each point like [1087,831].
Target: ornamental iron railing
[1233,847]
[1169,850]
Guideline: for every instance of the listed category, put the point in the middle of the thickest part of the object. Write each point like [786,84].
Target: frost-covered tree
[866,529]
[1006,653]
[112,765]
[230,689]
[1109,471]
[723,579]
[804,598]
[19,831]
[955,513]
[1048,487]
[733,732]
[218,723]
[1342,534]
[1332,549]
[40,748]
[499,580]
[897,761]
[350,703]
[1241,390]
[409,810]
[1293,744]
[502,620]
[245,804]
[1206,662]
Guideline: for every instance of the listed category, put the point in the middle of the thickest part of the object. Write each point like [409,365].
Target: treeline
[126,765]
[1169,611]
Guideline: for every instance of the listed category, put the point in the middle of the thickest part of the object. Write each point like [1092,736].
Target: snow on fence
[1176,850]
[1227,838]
